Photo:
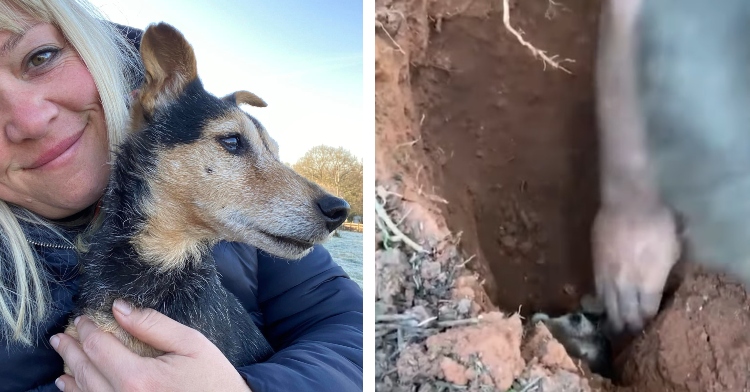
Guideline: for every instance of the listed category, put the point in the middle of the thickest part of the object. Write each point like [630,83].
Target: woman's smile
[59,154]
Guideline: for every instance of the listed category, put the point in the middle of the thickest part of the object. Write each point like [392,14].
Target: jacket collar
[61,233]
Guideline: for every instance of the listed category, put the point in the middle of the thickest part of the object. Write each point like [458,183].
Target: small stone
[420,313]
[447,313]
[429,270]
[508,241]
[526,247]
[464,306]
[427,387]
[409,295]
[453,371]
[381,308]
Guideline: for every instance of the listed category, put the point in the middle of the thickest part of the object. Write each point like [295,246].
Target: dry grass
[421,307]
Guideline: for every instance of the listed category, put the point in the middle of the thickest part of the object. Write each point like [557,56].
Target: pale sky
[303,57]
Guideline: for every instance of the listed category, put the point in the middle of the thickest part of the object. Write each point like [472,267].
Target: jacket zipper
[51,245]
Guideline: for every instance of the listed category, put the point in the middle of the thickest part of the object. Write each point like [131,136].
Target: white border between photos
[368,259]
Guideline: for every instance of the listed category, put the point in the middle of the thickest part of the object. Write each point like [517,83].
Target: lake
[347,252]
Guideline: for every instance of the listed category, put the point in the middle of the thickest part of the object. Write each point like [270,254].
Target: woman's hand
[101,363]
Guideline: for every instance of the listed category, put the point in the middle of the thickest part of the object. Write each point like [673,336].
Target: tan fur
[137,113]
[170,65]
[107,323]
[187,204]
[245,97]
[173,235]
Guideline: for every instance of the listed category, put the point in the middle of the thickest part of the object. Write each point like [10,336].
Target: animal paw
[633,251]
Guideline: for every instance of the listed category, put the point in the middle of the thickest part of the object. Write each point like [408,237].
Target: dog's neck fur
[171,239]
[136,221]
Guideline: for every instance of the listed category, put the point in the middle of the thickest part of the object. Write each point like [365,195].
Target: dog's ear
[245,97]
[170,65]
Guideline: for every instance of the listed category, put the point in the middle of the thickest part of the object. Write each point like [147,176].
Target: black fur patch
[182,121]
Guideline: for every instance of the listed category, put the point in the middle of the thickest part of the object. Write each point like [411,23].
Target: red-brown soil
[475,137]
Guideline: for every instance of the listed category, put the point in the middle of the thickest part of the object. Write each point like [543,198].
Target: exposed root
[380,25]
[431,196]
[411,143]
[536,52]
[411,325]
[532,385]
[552,9]
[398,235]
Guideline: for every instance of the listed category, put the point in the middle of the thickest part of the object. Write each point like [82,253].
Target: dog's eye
[232,143]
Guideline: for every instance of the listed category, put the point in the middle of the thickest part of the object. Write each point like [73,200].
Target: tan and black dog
[583,334]
[195,169]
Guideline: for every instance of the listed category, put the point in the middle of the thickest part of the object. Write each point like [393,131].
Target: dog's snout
[335,210]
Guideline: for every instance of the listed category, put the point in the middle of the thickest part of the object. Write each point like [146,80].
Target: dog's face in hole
[582,334]
[218,171]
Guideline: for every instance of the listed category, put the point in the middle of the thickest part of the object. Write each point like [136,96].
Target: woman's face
[53,140]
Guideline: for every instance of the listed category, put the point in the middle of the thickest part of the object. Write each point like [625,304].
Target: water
[347,252]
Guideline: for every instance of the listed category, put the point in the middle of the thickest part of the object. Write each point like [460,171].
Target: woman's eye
[39,58]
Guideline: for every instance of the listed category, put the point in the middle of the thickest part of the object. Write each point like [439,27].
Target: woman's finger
[67,383]
[113,359]
[87,376]
[158,330]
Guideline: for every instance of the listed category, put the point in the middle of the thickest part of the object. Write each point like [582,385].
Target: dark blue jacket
[309,310]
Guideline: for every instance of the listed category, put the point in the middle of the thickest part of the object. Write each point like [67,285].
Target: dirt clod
[492,346]
[543,349]
[699,343]
[392,268]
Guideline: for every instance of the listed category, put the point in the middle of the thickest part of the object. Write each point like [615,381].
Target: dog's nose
[335,210]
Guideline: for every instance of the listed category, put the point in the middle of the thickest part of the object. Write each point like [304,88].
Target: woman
[65,76]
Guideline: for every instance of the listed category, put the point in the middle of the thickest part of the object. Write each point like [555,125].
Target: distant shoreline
[355,227]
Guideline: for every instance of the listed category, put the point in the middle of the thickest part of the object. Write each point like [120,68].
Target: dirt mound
[699,343]
[475,137]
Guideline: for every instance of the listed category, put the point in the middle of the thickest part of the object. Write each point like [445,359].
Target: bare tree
[335,169]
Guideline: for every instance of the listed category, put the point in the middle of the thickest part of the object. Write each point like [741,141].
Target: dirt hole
[514,149]
[477,136]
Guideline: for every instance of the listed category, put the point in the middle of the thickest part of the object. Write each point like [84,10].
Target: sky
[303,57]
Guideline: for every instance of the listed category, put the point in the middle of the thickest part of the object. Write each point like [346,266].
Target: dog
[582,335]
[195,169]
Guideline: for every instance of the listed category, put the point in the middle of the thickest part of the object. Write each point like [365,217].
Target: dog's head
[216,166]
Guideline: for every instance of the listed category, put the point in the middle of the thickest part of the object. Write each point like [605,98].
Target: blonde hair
[112,61]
